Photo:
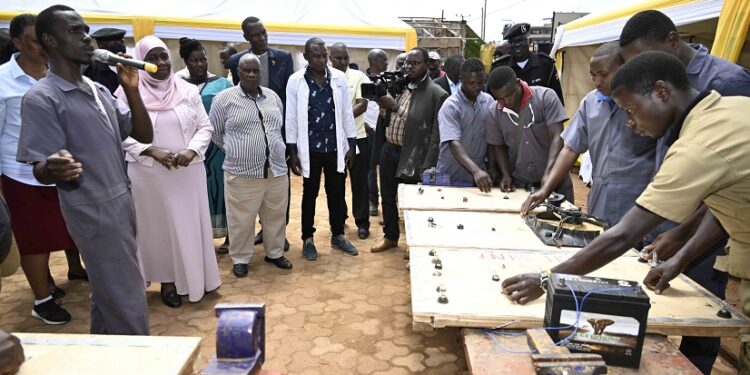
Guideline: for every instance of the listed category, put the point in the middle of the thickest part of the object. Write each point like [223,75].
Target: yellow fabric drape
[143,26]
[732,29]
[486,54]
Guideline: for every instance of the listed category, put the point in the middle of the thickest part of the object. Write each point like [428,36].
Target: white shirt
[523,63]
[14,83]
[185,73]
[355,78]
[372,113]
[453,86]
[297,98]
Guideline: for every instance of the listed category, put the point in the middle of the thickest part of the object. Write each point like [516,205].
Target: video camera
[392,83]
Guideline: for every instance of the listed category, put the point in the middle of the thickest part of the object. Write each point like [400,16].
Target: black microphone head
[101,55]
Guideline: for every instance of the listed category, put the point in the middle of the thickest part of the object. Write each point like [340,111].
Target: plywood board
[73,354]
[475,300]
[425,197]
[505,353]
[481,230]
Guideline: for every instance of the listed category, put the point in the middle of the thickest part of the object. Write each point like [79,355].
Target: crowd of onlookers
[141,171]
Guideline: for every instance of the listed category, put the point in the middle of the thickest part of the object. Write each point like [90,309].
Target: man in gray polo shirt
[72,133]
[463,130]
[524,132]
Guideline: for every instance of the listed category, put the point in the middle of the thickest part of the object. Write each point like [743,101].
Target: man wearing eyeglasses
[524,133]
[534,68]
[410,139]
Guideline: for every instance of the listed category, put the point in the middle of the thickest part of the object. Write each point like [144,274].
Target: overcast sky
[499,12]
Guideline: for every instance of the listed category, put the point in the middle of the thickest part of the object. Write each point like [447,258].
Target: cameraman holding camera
[410,138]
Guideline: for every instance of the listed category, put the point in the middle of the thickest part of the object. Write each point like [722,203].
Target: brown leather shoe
[384,245]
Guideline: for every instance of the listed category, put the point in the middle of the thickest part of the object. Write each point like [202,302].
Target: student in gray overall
[72,133]
[523,133]
[623,161]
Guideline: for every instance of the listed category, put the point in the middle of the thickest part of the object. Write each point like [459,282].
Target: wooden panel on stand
[445,198]
[474,299]
[480,230]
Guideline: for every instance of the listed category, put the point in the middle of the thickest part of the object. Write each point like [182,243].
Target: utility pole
[484,19]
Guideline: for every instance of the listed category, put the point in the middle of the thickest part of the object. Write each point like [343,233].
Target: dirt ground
[337,315]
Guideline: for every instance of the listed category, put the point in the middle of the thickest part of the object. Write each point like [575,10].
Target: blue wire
[579,307]
[497,344]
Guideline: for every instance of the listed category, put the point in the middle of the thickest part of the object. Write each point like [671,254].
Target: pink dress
[174,232]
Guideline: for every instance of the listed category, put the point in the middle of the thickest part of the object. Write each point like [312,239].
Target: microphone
[109,58]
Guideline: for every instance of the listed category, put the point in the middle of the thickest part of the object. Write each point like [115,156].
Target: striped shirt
[249,131]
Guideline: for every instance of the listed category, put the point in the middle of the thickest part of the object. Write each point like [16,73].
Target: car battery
[610,322]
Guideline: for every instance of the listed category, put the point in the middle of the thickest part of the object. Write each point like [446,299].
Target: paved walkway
[337,315]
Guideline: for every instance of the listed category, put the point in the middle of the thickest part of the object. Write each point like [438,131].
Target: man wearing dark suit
[276,65]
[275,69]
[450,82]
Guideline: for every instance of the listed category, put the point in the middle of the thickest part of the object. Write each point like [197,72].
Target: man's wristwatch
[544,279]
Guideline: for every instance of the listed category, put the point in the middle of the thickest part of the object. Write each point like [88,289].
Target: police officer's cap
[516,31]
[108,33]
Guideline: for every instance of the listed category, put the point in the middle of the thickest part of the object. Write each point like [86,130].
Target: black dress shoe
[224,248]
[78,276]
[171,298]
[239,270]
[259,238]
[280,262]
[363,233]
[286,245]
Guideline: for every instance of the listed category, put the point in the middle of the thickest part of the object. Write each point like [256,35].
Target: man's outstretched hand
[483,181]
[522,288]
[658,278]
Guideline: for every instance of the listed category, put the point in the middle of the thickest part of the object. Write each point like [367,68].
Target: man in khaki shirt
[708,161]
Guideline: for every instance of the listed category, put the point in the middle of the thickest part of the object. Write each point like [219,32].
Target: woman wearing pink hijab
[174,234]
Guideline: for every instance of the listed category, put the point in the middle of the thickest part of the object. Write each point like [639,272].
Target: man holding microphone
[72,133]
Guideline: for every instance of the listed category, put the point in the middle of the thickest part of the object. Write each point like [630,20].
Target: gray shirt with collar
[466,122]
[622,161]
[59,115]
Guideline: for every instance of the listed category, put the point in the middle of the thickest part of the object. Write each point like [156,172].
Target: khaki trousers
[248,198]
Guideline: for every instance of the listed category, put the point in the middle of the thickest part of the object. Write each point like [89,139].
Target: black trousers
[389,156]
[372,175]
[702,351]
[335,183]
[359,184]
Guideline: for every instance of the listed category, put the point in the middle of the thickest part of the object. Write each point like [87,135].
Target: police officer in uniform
[534,68]
[112,40]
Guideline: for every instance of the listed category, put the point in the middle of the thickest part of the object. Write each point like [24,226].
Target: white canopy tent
[600,28]
[289,23]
